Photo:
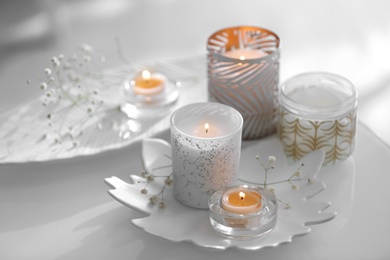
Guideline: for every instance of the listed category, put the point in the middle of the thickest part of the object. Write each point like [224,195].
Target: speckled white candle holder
[204,160]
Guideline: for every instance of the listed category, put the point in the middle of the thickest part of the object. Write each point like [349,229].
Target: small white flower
[55,62]
[89,110]
[168,181]
[257,157]
[153,199]
[144,191]
[144,173]
[272,159]
[162,205]
[86,48]
[61,57]
[47,72]
[43,86]
[149,178]
[294,187]
[298,173]
[310,181]
[288,205]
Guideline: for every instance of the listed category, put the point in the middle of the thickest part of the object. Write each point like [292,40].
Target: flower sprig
[292,179]
[73,90]
[157,198]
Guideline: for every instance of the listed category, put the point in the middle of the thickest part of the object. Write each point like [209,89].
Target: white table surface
[61,209]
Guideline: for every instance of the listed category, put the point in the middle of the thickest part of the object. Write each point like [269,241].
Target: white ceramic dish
[177,222]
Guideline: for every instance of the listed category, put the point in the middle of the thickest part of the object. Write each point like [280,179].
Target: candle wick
[207,130]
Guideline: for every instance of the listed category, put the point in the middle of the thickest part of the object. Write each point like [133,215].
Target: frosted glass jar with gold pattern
[318,110]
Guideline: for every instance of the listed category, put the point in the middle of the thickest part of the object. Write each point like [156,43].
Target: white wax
[318,96]
[195,126]
[244,54]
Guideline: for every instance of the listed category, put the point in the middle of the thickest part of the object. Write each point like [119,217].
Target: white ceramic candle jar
[206,146]
[318,111]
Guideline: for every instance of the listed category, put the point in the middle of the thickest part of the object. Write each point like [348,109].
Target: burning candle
[245,54]
[148,83]
[243,211]
[243,69]
[206,145]
[241,200]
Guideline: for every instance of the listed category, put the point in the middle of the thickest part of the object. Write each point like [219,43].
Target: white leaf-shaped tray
[177,222]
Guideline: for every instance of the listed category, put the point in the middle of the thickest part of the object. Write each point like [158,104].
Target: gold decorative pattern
[301,136]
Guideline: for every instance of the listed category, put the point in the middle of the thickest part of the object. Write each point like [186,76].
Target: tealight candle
[206,146]
[318,111]
[245,54]
[243,212]
[241,200]
[148,84]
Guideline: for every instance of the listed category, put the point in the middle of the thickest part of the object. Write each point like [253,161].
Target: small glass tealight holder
[243,212]
[150,90]
[318,110]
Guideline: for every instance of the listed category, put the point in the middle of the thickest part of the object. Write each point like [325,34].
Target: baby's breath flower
[49,94]
[298,173]
[257,157]
[271,159]
[144,191]
[153,199]
[61,57]
[310,181]
[55,62]
[86,48]
[288,205]
[149,178]
[89,110]
[143,173]
[47,72]
[294,187]
[43,86]
[168,181]
[162,205]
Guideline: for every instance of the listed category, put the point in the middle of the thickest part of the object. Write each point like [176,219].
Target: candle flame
[146,75]
[206,127]
[242,195]
[242,57]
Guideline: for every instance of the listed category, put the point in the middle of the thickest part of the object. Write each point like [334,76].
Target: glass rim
[343,107]
[230,134]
